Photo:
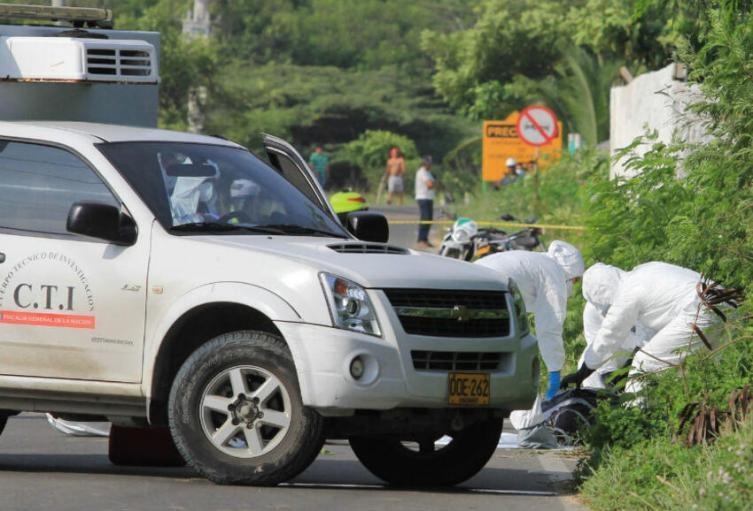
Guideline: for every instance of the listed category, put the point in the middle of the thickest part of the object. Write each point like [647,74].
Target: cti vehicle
[156,278]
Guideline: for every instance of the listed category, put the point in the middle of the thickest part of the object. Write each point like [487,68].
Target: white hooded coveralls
[656,296]
[543,282]
[603,280]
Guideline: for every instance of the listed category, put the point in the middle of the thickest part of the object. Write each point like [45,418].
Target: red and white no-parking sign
[537,125]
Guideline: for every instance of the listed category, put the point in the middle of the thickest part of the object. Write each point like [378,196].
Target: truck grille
[451,313]
[456,361]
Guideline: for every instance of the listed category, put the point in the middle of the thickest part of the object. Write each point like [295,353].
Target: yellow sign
[501,141]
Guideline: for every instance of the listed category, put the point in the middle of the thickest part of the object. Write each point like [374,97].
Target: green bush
[370,150]
[557,195]
[660,475]
[690,205]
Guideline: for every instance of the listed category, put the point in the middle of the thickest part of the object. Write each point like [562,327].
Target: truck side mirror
[102,221]
[368,226]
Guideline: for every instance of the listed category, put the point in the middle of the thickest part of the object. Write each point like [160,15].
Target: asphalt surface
[405,235]
[43,469]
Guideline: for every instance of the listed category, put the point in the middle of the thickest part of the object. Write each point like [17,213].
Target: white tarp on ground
[653,101]
[98,429]
[506,441]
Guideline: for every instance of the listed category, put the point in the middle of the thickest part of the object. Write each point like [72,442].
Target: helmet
[346,202]
[511,162]
[568,258]
[464,229]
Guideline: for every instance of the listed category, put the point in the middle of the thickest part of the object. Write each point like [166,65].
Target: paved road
[46,470]
[405,235]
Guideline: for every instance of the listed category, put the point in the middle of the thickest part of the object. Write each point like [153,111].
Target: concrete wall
[652,101]
[110,103]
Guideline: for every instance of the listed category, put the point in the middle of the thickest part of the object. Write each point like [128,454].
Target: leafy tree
[369,151]
[323,32]
[578,89]
[509,38]
[184,63]
[327,105]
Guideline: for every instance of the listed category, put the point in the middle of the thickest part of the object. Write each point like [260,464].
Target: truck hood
[371,269]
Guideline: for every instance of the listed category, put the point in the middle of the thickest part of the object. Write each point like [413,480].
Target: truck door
[70,307]
[293,167]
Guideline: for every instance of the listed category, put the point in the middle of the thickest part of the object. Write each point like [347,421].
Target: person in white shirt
[425,184]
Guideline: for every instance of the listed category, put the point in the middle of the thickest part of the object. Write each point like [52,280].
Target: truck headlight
[349,305]
[521,315]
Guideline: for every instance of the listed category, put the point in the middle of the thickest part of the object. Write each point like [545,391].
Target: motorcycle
[466,241]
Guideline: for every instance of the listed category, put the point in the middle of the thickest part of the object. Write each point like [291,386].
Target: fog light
[357,368]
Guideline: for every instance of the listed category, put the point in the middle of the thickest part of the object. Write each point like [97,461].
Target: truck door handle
[2,257]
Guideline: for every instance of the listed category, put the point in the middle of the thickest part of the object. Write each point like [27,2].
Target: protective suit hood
[600,283]
[567,257]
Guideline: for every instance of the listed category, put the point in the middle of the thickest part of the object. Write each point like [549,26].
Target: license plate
[469,389]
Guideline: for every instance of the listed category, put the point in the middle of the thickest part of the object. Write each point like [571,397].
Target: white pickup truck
[152,277]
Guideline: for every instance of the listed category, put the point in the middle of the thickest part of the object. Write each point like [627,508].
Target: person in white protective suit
[545,281]
[593,317]
[660,297]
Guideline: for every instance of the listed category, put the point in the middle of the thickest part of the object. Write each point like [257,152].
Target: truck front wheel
[236,413]
[430,464]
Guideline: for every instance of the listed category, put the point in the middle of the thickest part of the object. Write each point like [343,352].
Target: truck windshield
[201,188]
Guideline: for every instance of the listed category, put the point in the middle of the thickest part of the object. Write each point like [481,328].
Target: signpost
[532,135]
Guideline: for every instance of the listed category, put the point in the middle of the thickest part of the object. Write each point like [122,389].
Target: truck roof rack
[77,16]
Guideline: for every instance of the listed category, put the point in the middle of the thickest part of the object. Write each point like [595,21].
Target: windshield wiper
[223,227]
[302,230]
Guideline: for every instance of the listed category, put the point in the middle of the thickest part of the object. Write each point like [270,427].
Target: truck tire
[390,459]
[236,414]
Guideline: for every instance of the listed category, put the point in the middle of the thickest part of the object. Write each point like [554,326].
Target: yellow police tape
[491,223]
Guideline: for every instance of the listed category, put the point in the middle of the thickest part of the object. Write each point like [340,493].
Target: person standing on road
[319,161]
[545,281]
[425,190]
[394,171]
[671,301]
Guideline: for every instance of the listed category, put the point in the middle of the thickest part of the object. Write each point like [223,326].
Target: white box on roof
[77,59]
[55,73]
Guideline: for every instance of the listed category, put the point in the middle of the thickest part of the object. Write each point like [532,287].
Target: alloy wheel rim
[245,411]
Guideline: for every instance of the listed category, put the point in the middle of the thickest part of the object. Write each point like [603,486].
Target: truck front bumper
[323,356]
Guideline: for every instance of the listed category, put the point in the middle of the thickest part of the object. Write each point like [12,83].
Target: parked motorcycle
[466,241]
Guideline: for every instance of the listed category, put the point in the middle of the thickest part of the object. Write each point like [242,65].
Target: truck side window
[290,171]
[39,184]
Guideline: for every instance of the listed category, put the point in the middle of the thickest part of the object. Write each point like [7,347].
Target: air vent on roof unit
[74,59]
[366,248]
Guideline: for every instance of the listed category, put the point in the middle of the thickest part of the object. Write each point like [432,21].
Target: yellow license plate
[469,389]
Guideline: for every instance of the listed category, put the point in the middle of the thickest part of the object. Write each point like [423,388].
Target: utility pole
[197,24]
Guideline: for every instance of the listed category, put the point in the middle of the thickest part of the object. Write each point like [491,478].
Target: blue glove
[554,384]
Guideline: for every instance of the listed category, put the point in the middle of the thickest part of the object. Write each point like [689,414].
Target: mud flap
[145,447]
